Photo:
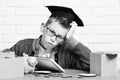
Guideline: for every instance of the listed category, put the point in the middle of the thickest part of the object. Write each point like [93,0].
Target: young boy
[56,42]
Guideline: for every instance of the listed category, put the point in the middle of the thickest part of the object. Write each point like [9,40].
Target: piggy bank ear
[72,30]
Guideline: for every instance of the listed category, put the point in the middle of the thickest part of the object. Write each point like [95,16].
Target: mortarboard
[65,12]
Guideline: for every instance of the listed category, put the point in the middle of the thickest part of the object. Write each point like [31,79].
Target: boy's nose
[53,38]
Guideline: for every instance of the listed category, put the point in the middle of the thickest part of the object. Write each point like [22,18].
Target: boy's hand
[72,29]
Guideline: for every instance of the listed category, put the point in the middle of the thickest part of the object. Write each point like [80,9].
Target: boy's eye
[60,37]
[51,32]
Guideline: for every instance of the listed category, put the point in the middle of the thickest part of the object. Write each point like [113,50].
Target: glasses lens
[59,39]
[52,33]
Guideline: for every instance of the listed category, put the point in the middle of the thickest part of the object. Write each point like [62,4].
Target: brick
[23,20]
[6,11]
[83,30]
[107,29]
[100,3]
[103,20]
[1,38]
[4,45]
[119,57]
[16,37]
[83,38]
[1,20]
[106,39]
[70,3]
[2,3]
[118,62]
[32,11]
[11,38]
[98,39]
[83,11]
[7,29]
[25,29]
[44,18]
[36,3]
[24,3]
[107,11]
[106,47]
[16,3]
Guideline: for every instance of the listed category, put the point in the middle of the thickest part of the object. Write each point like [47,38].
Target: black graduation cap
[65,12]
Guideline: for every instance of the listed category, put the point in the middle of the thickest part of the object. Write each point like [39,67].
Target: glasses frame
[51,33]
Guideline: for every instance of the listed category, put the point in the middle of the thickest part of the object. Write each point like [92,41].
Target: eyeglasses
[52,33]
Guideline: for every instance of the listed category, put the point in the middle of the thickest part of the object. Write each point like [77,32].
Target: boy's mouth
[50,44]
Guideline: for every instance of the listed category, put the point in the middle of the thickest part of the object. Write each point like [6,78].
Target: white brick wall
[31,11]
[100,3]
[15,37]
[20,19]
[24,3]
[70,3]
[2,3]
[6,11]
[1,20]
[107,29]
[106,11]
[28,29]
[1,39]
[101,20]
[4,29]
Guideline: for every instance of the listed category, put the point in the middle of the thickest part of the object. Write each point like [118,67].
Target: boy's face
[53,34]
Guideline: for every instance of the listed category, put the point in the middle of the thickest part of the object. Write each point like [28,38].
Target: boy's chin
[50,47]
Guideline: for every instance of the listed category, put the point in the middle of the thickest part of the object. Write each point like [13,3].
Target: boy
[56,42]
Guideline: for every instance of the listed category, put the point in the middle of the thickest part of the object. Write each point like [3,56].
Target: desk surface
[73,73]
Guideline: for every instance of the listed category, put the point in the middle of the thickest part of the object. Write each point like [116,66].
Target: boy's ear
[72,30]
[42,27]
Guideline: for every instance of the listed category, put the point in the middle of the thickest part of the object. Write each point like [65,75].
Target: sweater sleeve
[22,46]
[83,53]
[77,57]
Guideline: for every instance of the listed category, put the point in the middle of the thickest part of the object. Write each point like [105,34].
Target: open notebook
[47,64]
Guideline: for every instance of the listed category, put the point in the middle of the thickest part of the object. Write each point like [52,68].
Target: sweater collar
[38,48]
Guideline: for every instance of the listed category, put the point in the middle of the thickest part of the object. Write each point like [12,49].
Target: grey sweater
[77,57]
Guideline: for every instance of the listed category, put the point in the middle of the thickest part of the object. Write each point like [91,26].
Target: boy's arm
[79,48]
[83,52]
[83,62]
[13,48]
[72,41]
[22,46]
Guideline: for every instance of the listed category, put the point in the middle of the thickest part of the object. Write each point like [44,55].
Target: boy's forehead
[56,25]
[58,28]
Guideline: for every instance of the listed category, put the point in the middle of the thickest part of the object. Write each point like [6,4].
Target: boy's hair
[62,20]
